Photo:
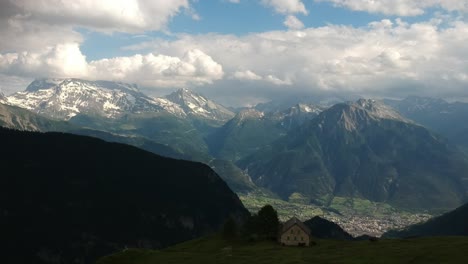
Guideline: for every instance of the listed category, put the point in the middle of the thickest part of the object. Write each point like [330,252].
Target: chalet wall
[294,236]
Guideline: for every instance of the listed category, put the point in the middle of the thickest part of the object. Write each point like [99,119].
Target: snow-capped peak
[378,109]
[250,113]
[354,116]
[65,98]
[199,106]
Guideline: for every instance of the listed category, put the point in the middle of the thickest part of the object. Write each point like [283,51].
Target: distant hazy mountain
[178,133]
[281,104]
[363,149]
[136,141]
[251,130]
[243,135]
[22,119]
[237,179]
[72,199]
[296,115]
[448,119]
[453,223]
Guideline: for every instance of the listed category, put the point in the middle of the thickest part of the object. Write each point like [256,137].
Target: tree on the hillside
[249,229]
[267,222]
[230,229]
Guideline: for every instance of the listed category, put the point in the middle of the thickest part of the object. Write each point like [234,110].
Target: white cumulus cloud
[108,15]
[400,7]
[286,6]
[385,57]
[246,75]
[156,70]
[62,60]
[292,22]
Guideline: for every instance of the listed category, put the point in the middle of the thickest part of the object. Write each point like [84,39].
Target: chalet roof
[295,221]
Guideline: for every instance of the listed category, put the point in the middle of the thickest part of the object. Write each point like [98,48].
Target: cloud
[286,6]
[293,23]
[387,57]
[401,7]
[10,84]
[62,60]
[105,15]
[66,60]
[194,68]
[32,26]
[246,75]
[276,81]
[19,34]
[39,39]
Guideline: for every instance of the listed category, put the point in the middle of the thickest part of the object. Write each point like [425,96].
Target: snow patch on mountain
[379,110]
[66,98]
[248,114]
[199,106]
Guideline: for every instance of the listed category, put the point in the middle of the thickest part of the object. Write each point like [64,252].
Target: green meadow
[217,250]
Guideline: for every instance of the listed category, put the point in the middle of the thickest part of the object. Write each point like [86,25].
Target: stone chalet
[294,233]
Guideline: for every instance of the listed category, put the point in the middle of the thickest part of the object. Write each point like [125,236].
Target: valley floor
[216,250]
[356,216]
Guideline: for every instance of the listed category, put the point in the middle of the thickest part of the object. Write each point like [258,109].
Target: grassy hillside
[453,223]
[216,250]
[76,198]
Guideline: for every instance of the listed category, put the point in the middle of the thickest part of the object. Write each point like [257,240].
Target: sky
[242,52]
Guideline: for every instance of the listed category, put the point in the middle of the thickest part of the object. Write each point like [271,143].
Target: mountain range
[366,149]
[447,119]
[67,98]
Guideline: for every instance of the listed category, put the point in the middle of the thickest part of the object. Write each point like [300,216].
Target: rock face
[72,199]
[198,106]
[366,150]
[297,115]
[251,129]
[243,135]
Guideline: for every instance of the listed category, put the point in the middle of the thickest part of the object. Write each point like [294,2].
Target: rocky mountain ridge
[65,98]
[363,150]
[306,149]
